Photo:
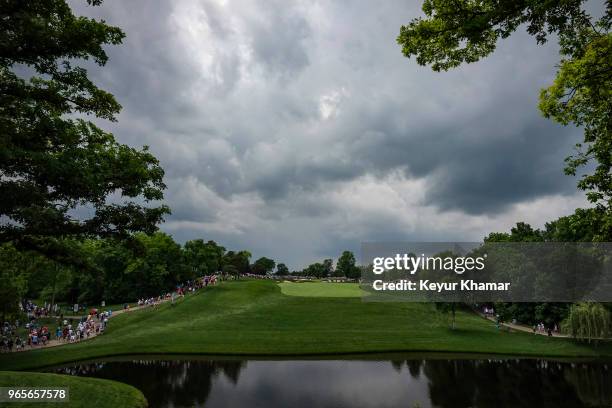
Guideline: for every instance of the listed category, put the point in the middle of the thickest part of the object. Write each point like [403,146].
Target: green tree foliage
[213,256]
[282,270]
[263,266]
[316,270]
[161,264]
[203,258]
[346,266]
[112,260]
[550,314]
[523,232]
[51,159]
[116,271]
[585,225]
[582,94]
[195,255]
[528,313]
[155,264]
[328,265]
[588,321]
[239,262]
[13,281]
[464,31]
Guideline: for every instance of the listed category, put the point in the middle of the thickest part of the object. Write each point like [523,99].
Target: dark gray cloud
[278,39]
[297,129]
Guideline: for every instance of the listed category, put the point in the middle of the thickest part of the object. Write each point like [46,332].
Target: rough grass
[321,289]
[83,392]
[255,318]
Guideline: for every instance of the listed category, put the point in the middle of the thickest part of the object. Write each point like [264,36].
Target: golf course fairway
[254,318]
[321,289]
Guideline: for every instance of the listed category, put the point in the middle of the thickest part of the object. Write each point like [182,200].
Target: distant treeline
[145,265]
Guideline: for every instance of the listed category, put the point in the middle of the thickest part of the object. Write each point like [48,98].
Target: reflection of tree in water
[414,367]
[451,383]
[592,384]
[165,383]
[397,364]
[513,383]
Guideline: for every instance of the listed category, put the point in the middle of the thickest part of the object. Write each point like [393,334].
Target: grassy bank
[255,318]
[83,392]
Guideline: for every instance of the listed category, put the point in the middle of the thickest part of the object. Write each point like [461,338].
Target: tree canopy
[589,321]
[236,263]
[263,266]
[204,258]
[53,162]
[454,32]
[346,266]
[282,270]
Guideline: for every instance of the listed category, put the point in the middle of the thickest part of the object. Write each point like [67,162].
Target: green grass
[83,392]
[255,318]
[321,289]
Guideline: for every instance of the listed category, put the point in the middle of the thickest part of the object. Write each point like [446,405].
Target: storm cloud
[298,130]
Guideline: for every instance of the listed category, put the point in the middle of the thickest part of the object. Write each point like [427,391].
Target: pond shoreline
[366,356]
[391,380]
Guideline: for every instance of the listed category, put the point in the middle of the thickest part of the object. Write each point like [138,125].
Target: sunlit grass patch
[321,289]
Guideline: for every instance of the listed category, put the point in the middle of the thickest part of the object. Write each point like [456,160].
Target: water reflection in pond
[356,383]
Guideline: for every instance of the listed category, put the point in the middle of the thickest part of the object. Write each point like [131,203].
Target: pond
[409,382]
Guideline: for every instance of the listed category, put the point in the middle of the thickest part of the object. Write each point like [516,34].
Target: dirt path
[55,343]
[523,328]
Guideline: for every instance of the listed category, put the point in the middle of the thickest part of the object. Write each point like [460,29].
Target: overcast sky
[296,129]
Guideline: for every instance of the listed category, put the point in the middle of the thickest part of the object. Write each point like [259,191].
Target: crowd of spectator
[17,336]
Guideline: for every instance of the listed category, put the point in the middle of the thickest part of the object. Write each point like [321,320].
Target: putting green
[321,289]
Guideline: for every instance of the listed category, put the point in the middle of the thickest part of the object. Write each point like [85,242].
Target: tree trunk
[54,285]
